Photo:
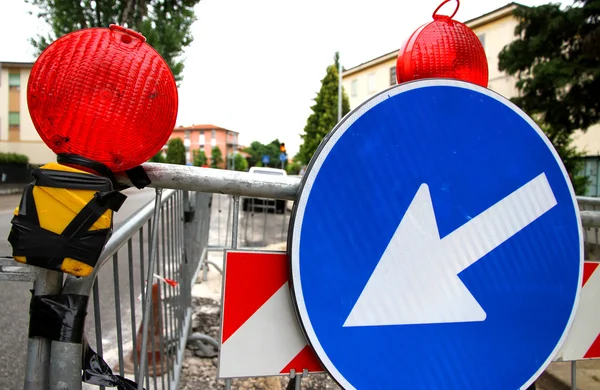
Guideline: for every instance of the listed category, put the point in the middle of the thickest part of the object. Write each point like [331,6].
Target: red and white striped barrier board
[583,340]
[260,335]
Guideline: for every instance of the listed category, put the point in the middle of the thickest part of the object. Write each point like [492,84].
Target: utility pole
[339,90]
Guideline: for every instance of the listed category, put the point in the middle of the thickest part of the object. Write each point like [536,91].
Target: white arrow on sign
[416,280]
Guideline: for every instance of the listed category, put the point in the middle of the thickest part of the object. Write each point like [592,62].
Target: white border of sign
[313,170]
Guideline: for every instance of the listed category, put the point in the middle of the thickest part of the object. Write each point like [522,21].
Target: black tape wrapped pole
[61,318]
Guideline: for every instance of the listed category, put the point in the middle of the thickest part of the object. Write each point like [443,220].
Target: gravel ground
[200,364]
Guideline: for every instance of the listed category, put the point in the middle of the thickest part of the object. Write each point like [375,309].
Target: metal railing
[137,323]
[169,238]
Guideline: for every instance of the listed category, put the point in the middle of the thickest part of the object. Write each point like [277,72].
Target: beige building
[205,138]
[17,134]
[495,30]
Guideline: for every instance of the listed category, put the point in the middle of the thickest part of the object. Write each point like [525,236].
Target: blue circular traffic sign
[436,243]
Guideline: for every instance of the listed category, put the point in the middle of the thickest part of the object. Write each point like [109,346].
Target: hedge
[13,158]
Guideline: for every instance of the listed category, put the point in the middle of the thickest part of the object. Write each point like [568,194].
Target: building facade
[17,133]
[205,138]
[495,30]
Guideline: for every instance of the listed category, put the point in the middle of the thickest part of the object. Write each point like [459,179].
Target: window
[14,119]
[202,139]
[393,75]
[187,157]
[482,40]
[213,139]
[354,88]
[14,81]
[591,171]
[371,83]
[186,139]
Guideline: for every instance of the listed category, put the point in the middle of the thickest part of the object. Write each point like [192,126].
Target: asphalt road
[15,296]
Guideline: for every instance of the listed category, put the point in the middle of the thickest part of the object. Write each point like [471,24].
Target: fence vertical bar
[219,220]
[175,260]
[97,320]
[143,295]
[181,262]
[132,304]
[234,227]
[265,211]
[283,220]
[148,297]
[37,369]
[253,220]
[118,311]
[151,334]
[163,354]
[171,273]
[166,315]
[228,220]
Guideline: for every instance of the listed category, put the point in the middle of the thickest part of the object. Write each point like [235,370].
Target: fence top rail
[588,201]
[182,177]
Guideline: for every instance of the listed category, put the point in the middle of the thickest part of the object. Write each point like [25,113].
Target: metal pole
[339,90]
[149,280]
[234,240]
[220,181]
[234,228]
[37,369]
[573,375]
[65,371]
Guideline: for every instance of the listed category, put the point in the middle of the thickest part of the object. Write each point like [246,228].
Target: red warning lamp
[104,94]
[443,48]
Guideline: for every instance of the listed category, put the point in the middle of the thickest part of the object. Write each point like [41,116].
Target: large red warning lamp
[104,94]
[443,48]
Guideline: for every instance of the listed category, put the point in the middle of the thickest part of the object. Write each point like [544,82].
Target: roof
[9,64]
[202,127]
[368,64]
[489,17]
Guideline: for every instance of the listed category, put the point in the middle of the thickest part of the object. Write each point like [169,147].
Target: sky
[255,66]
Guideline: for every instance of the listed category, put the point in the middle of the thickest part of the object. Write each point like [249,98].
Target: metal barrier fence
[140,332]
[170,238]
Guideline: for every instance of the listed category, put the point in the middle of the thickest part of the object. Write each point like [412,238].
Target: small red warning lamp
[443,48]
[104,94]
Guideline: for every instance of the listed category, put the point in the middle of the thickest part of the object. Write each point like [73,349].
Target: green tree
[240,163]
[199,158]
[324,113]
[571,157]
[165,24]
[216,157]
[556,60]
[158,158]
[175,152]
[293,168]
[257,150]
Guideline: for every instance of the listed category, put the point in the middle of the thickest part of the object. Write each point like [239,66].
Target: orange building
[206,137]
